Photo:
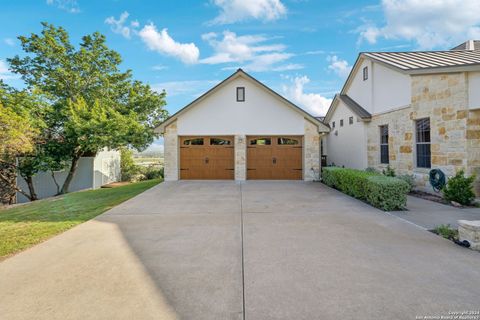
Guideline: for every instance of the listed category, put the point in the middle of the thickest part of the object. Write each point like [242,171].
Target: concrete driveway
[257,250]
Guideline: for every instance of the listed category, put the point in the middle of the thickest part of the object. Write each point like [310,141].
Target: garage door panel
[275,158]
[211,159]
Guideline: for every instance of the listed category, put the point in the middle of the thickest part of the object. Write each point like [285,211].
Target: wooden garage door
[209,158]
[274,158]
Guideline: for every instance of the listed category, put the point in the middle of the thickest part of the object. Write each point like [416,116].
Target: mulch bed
[116,184]
[435,198]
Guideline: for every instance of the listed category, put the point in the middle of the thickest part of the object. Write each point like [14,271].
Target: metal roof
[422,60]
[355,107]
[466,44]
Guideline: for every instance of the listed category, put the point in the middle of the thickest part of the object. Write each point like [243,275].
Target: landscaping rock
[470,231]
[456,204]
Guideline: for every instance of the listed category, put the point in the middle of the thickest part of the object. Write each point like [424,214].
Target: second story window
[365,73]
[341,123]
[350,120]
[333,124]
[240,94]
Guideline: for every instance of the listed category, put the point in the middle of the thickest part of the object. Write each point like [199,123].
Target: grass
[446,231]
[26,225]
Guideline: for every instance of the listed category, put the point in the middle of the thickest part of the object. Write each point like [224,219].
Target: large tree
[94,104]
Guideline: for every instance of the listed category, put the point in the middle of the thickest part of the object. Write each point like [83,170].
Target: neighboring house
[242,130]
[92,173]
[413,111]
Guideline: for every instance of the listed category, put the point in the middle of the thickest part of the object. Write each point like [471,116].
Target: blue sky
[302,49]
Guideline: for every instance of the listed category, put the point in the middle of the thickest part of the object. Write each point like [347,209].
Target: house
[241,129]
[414,111]
[92,173]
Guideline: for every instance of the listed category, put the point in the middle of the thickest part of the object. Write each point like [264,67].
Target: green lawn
[26,225]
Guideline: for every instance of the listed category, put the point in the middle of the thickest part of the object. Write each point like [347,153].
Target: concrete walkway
[429,214]
[258,250]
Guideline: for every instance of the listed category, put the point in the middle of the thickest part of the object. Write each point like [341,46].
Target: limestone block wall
[455,135]
[311,156]
[240,157]
[171,152]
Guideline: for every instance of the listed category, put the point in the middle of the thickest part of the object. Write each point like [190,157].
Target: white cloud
[189,87]
[339,66]
[159,67]
[120,26]
[232,11]
[248,51]
[314,103]
[161,42]
[66,5]
[5,73]
[9,42]
[429,23]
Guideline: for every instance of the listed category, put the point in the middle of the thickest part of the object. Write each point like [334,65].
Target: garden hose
[437,179]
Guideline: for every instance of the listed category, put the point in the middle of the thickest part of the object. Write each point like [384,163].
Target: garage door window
[193,142]
[261,142]
[287,141]
[220,142]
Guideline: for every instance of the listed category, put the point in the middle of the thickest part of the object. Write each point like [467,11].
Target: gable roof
[240,73]
[351,104]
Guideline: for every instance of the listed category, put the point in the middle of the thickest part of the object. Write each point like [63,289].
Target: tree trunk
[55,181]
[71,174]
[31,189]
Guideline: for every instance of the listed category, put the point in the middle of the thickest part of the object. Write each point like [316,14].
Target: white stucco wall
[474,90]
[361,90]
[221,114]
[391,89]
[106,168]
[349,147]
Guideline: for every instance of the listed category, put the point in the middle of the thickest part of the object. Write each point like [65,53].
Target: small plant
[129,170]
[460,189]
[408,178]
[446,231]
[389,171]
[371,170]
[152,172]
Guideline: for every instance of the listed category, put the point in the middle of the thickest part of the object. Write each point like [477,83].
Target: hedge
[386,193]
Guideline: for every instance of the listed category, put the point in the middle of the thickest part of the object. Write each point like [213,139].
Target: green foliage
[129,169]
[386,193]
[389,171]
[460,189]
[447,232]
[153,172]
[371,170]
[408,178]
[93,104]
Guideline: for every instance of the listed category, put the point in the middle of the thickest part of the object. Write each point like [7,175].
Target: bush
[383,192]
[389,171]
[460,189]
[152,172]
[129,170]
[371,170]
[446,231]
[408,178]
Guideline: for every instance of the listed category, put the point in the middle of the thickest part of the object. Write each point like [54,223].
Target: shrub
[386,193]
[408,178]
[389,171]
[153,172]
[460,189]
[129,170]
[371,170]
[446,231]
[383,192]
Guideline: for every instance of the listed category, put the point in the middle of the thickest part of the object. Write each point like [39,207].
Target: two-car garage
[241,130]
[268,157]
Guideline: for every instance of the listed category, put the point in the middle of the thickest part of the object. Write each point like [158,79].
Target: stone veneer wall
[170,152]
[455,135]
[311,153]
[240,157]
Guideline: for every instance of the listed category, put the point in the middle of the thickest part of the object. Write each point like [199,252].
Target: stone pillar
[311,152]
[240,157]
[171,152]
